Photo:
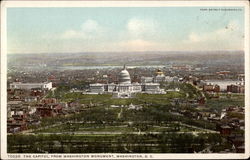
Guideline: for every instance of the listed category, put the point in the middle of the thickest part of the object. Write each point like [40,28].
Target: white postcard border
[5,4]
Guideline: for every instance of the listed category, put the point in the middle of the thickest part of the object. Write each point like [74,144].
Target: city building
[126,89]
[238,88]
[158,78]
[27,86]
[211,88]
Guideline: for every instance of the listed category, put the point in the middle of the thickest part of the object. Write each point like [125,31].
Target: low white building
[20,85]
[30,99]
[97,88]
[147,79]
[152,88]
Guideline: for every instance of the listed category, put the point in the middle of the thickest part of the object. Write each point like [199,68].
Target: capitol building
[126,89]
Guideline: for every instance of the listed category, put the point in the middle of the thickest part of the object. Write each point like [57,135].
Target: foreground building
[237,88]
[124,88]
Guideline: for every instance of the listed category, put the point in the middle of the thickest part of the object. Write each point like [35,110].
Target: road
[203,129]
[116,133]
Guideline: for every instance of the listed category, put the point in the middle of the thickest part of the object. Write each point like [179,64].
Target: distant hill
[131,58]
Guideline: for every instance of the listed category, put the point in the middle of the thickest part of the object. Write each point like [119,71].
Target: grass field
[224,102]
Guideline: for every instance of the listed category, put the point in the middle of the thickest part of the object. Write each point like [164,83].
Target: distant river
[223,83]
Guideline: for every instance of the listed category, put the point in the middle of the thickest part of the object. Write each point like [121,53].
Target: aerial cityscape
[125,83]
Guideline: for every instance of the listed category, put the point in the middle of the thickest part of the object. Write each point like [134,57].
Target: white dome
[124,76]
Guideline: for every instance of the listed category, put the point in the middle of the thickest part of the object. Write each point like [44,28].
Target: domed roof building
[124,76]
[160,77]
[159,72]
[124,88]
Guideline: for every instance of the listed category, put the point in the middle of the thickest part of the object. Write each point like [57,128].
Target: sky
[124,29]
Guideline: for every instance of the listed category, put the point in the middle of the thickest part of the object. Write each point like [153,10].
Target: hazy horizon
[139,52]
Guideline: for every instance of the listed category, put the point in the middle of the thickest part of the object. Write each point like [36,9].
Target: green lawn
[107,99]
[222,103]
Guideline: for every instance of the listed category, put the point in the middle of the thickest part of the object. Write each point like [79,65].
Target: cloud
[72,34]
[138,35]
[139,45]
[228,37]
[139,25]
[140,28]
[91,26]
[90,29]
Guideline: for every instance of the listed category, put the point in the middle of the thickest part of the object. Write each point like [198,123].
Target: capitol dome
[124,77]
